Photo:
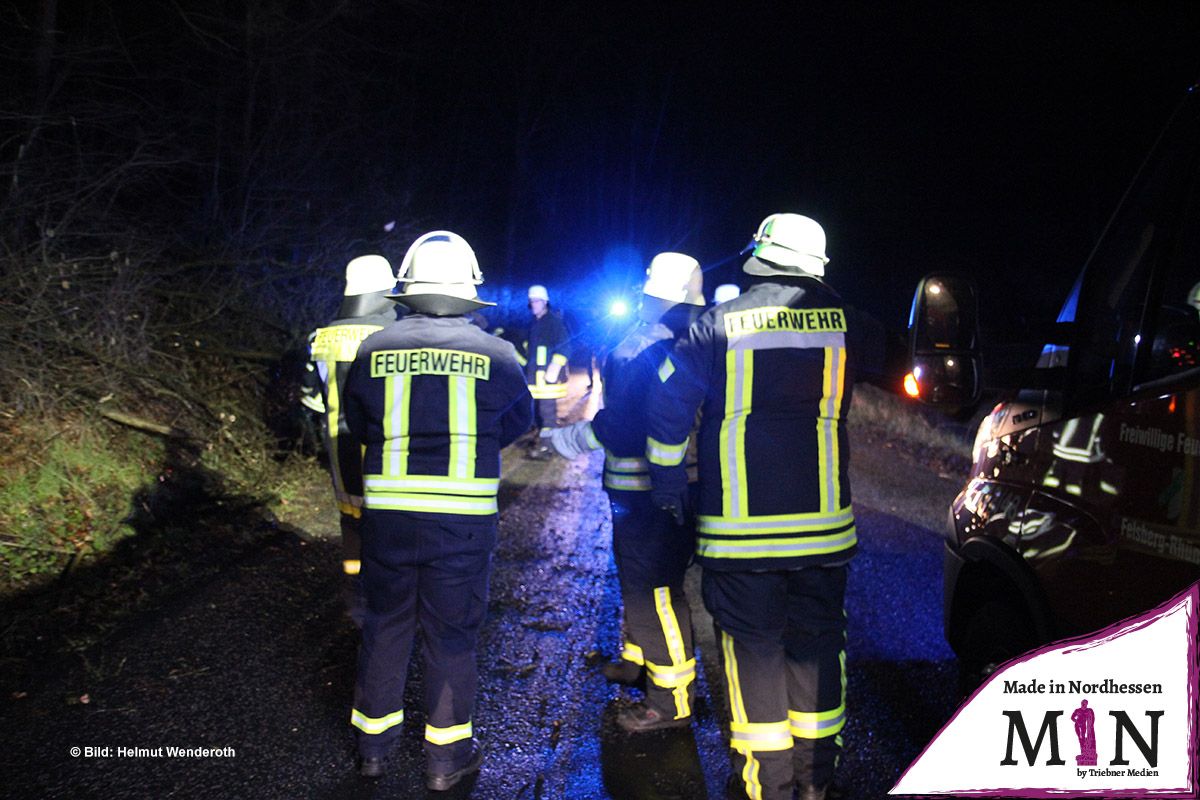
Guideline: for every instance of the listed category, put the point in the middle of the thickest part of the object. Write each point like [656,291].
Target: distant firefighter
[651,548]
[771,373]
[365,309]
[547,351]
[432,399]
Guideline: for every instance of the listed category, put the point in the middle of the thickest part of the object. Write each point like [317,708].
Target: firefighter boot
[442,781]
[641,718]
[370,767]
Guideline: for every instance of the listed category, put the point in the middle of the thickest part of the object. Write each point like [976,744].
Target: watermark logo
[1122,702]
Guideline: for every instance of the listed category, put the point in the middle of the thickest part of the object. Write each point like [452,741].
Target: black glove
[673,503]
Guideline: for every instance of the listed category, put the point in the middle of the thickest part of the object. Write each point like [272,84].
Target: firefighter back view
[651,548]
[365,309]
[771,371]
[432,399]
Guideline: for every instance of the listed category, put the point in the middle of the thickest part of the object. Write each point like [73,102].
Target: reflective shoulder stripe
[666,369]
[665,455]
[375,724]
[455,733]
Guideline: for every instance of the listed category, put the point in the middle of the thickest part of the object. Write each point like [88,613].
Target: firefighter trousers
[652,555]
[421,572]
[782,635]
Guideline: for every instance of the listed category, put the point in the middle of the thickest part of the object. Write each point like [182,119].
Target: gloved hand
[572,441]
[672,502]
[552,371]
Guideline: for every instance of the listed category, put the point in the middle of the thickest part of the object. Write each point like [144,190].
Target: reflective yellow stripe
[455,733]
[431,484]
[547,391]
[375,724]
[432,503]
[631,652]
[777,547]
[665,455]
[750,737]
[627,483]
[817,724]
[614,463]
[352,508]
[461,416]
[521,359]
[351,566]
[739,393]
[559,358]
[541,356]
[829,463]
[810,521]
[682,670]
[666,369]
[737,706]
[395,424]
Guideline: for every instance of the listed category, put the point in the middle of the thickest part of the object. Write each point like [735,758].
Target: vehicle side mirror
[943,335]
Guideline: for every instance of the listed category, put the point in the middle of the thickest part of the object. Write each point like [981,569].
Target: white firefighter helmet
[726,292]
[440,273]
[538,292]
[671,279]
[788,244]
[368,274]
[1194,297]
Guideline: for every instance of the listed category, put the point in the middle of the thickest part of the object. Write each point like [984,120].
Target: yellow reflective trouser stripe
[748,737]
[682,670]
[665,455]
[375,724]
[739,393]
[631,652]
[817,724]
[737,707]
[455,733]
[351,566]
[829,464]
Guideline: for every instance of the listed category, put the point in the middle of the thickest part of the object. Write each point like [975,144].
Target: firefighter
[432,399]
[365,308]
[651,549]
[545,362]
[771,371]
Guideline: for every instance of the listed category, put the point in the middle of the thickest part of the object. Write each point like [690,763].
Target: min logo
[1084,719]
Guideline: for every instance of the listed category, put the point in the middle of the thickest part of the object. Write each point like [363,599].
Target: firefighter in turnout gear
[545,362]
[365,308]
[432,399]
[651,549]
[771,371]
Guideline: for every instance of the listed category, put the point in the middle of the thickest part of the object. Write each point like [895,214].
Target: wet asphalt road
[260,659]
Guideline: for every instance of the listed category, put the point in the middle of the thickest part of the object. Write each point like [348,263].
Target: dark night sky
[570,141]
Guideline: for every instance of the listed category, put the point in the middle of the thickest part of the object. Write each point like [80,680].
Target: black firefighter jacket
[772,372]
[433,400]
